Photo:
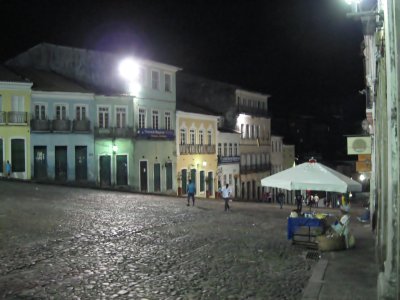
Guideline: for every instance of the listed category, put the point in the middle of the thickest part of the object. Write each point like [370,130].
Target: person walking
[281,199]
[316,200]
[191,190]
[8,169]
[299,202]
[226,194]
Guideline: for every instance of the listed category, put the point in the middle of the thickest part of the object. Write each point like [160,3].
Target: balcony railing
[17,117]
[156,134]
[196,149]
[254,168]
[40,125]
[256,111]
[123,132]
[81,125]
[61,125]
[228,159]
[113,132]
[3,117]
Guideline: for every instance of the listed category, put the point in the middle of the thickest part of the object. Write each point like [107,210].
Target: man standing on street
[299,202]
[191,190]
[226,194]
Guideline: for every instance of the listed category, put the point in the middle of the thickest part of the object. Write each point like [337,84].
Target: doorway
[157,177]
[122,170]
[105,170]
[80,163]
[61,164]
[143,176]
[40,162]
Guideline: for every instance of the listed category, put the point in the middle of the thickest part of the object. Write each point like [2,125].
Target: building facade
[254,125]
[15,101]
[196,152]
[228,151]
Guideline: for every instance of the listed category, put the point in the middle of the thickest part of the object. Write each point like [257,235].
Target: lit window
[155,80]
[167,120]
[192,136]
[121,117]
[103,117]
[155,119]
[201,137]
[167,84]
[61,112]
[142,118]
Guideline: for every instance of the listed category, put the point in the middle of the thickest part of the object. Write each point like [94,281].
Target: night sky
[305,53]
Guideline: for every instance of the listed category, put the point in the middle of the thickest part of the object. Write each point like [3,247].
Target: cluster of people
[312,200]
[226,194]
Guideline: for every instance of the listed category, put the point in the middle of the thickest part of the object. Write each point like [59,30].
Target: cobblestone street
[71,243]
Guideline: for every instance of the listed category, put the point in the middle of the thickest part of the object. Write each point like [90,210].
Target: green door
[184,181]
[122,170]
[105,170]
[80,163]
[157,179]
[193,176]
[210,183]
[143,176]
[168,175]
[61,164]
[40,162]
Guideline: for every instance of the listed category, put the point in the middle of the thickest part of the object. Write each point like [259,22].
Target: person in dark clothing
[299,202]
[281,199]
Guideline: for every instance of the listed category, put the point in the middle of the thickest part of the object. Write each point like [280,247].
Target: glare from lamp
[129,69]
[350,2]
[114,148]
[362,177]
[204,164]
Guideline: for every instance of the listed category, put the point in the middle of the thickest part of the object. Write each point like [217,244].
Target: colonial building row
[67,114]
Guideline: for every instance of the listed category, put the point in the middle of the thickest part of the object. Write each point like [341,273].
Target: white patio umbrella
[312,176]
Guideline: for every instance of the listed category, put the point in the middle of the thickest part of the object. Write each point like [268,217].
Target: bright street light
[350,2]
[362,177]
[129,69]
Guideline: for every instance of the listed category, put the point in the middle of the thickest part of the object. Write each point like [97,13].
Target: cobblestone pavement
[71,243]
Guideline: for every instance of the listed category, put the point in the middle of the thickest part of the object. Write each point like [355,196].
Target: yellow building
[196,153]
[15,101]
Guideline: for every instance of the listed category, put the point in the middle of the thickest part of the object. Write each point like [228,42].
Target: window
[224,180]
[230,149]
[183,136]
[155,119]
[1,156]
[40,112]
[202,181]
[80,113]
[247,131]
[230,178]
[225,149]
[142,118]
[192,136]
[155,80]
[167,120]
[17,103]
[238,100]
[235,149]
[61,112]
[201,137]
[257,131]
[121,117]
[242,130]
[18,155]
[103,117]
[209,137]
[252,132]
[219,149]
[167,83]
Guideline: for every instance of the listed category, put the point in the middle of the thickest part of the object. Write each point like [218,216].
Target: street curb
[313,288]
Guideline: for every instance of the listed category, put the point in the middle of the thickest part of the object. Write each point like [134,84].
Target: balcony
[17,117]
[81,125]
[40,125]
[123,132]
[228,159]
[254,168]
[113,132]
[255,111]
[155,134]
[196,149]
[61,125]
[3,117]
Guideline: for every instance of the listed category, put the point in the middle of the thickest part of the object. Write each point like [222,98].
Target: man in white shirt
[226,193]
